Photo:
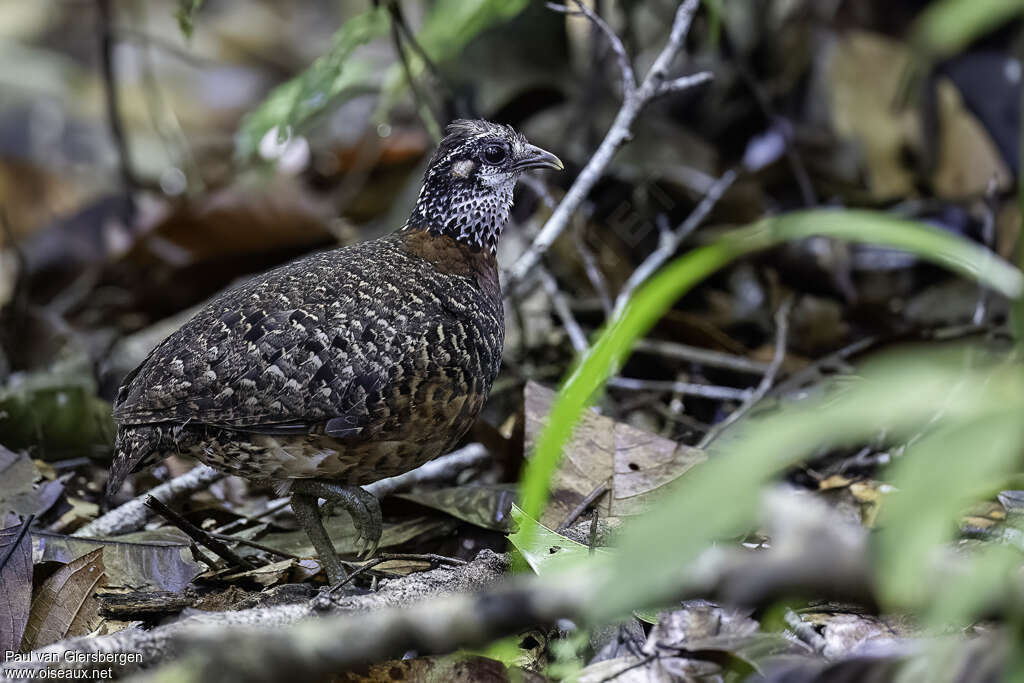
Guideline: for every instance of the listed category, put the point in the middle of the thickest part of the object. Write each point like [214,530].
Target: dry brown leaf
[634,464]
[65,604]
[864,79]
[16,579]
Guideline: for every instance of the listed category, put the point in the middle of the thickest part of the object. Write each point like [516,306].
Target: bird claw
[366,518]
[363,507]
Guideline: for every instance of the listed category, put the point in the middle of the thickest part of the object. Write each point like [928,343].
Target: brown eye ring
[494,154]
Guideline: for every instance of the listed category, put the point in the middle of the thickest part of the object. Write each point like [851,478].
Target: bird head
[467,189]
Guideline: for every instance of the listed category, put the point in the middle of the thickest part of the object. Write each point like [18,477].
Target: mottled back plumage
[348,365]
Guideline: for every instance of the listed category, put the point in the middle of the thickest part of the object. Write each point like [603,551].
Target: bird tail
[136,447]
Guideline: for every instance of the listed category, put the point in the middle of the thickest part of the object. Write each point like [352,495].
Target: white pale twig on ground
[445,467]
[670,240]
[634,99]
[711,391]
[696,354]
[781,336]
[134,514]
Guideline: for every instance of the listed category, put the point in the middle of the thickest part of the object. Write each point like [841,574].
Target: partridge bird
[346,366]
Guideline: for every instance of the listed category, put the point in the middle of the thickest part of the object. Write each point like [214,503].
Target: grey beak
[538,158]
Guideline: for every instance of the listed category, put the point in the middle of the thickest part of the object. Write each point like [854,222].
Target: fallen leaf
[634,464]
[339,528]
[547,550]
[146,560]
[20,493]
[485,506]
[267,575]
[16,578]
[863,76]
[65,605]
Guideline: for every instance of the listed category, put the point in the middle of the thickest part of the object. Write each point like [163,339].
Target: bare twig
[594,274]
[133,515]
[684,83]
[695,354]
[635,99]
[781,333]
[228,538]
[445,467]
[423,106]
[563,310]
[625,68]
[670,240]
[589,500]
[198,535]
[686,388]
[107,40]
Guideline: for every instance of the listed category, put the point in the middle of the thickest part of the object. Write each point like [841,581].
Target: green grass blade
[653,299]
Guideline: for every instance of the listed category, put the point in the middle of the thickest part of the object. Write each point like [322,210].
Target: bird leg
[363,507]
[307,511]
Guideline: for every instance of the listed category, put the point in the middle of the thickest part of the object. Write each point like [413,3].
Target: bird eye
[494,154]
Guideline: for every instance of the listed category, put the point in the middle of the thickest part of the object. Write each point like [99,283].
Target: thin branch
[198,535]
[684,83]
[423,106]
[228,538]
[625,68]
[445,467]
[617,135]
[695,354]
[686,388]
[563,310]
[110,91]
[589,500]
[781,334]
[134,514]
[670,240]
[594,274]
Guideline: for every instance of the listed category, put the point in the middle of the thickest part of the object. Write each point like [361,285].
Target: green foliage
[543,549]
[447,28]
[959,410]
[902,395]
[451,24]
[948,26]
[186,15]
[658,295]
[333,75]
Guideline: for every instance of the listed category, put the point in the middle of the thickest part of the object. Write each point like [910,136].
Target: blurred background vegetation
[152,153]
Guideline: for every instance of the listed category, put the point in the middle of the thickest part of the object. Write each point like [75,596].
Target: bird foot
[363,507]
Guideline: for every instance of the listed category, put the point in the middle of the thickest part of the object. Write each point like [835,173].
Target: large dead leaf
[16,579]
[484,506]
[339,528]
[147,560]
[634,464]
[65,604]
[20,493]
[863,77]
